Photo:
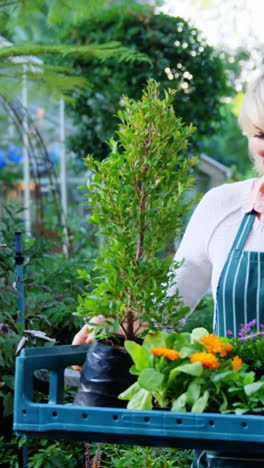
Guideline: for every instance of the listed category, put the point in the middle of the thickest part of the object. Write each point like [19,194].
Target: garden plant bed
[55,420]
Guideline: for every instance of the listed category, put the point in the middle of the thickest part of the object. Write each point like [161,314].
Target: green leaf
[195,369]
[173,374]
[2,362]
[241,410]
[198,333]
[9,380]
[133,370]
[8,404]
[180,403]
[150,379]
[186,351]
[130,391]
[221,376]
[253,387]
[139,354]
[183,338]
[141,400]
[200,405]
[249,378]
[158,339]
[224,404]
[193,392]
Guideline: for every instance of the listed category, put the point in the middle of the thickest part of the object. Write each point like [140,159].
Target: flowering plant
[195,371]
[250,345]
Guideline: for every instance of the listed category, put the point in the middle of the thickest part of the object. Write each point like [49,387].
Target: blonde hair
[252,115]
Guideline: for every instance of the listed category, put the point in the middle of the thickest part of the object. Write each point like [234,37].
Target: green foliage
[9,223]
[229,146]
[250,345]
[194,372]
[60,80]
[181,59]
[90,51]
[49,285]
[52,456]
[9,452]
[23,60]
[9,176]
[120,456]
[138,202]
[202,316]
[51,288]
[56,11]
[48,455]
[50,295]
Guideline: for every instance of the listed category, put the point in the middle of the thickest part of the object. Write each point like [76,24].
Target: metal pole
[25,454]
[11,128]
[19,260]
[63,178]
[25,154]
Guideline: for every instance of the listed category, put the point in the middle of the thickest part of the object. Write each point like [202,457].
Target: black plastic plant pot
[105,374]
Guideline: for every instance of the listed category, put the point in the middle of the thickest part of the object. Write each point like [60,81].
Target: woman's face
[256,138]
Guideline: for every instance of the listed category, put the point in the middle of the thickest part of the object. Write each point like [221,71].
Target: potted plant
[138,200]
[198,372]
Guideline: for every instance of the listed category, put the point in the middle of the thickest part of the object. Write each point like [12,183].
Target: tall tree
[181,59]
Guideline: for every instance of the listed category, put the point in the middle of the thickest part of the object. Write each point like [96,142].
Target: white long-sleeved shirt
[208,239]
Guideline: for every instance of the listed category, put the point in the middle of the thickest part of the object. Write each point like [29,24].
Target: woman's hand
[83,336]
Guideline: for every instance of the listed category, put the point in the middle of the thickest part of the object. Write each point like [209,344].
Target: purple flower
[243,338]
[252,335]
[229,332]
[249,330]
[87,457]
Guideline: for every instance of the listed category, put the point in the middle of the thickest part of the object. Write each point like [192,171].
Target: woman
[223,250]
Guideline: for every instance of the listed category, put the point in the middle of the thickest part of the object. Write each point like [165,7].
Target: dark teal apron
[240,291]
[239,299]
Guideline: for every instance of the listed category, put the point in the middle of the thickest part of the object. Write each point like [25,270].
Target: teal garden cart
[55,420]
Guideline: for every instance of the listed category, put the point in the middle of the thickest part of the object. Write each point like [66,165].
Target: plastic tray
[55,420]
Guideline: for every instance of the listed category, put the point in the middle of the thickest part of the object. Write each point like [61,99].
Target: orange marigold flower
[206,359]
[172,354]
[168,353]
[236,363]
[214,345]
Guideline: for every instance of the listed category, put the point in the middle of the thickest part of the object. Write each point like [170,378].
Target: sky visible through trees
[227,24]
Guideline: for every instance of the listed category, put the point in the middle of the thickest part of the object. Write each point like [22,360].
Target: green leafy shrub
[51,288]
[121,456]
[137,197]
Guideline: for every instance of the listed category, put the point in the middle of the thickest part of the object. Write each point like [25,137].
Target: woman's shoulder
[224,200]
[229,195]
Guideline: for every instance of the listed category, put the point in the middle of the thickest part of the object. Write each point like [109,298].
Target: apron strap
[243,231]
